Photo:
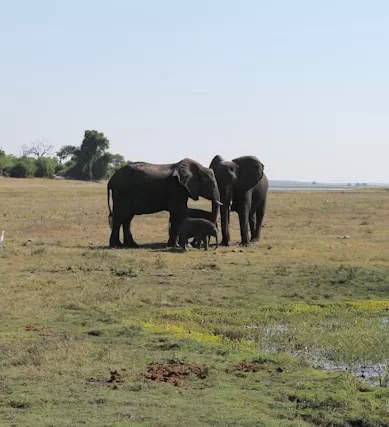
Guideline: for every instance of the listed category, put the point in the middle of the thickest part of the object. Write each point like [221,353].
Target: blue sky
[301,84]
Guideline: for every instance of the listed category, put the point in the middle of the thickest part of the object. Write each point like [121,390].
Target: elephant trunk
[215,211]
[216,196]
[212,193]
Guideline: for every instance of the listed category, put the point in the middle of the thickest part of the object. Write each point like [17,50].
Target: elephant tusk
[219,203]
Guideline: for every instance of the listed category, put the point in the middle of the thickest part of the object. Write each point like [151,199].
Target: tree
[92,150]
[101,165]
[65,152]
[117,161]
[106,165]
[38,148]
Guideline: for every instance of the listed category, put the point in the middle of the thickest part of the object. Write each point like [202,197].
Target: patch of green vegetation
[81,325]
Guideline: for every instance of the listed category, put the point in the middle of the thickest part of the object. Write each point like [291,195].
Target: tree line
[89,161]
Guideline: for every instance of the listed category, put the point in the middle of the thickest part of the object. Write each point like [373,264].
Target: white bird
[2,237]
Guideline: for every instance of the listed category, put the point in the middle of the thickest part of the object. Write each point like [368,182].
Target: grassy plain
[156,337]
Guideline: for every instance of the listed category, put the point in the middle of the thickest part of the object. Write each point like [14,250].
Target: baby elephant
[200,213]
[200,228]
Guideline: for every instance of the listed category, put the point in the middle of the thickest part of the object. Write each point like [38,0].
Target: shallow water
[374,373]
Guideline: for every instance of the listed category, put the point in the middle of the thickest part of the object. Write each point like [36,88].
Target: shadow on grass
[156,246]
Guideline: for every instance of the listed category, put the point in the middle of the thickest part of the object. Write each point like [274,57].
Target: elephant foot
[254,239]
[224,243]
[244,244]
[116,245]
[172,244]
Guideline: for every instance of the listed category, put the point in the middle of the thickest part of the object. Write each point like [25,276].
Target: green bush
[45,167]
[6,163]
[59,168]
[24,167]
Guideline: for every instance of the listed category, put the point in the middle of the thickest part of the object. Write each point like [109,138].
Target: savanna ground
[293,331]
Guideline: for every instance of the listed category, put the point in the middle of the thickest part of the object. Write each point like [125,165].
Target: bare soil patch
[174,373]
[247,367]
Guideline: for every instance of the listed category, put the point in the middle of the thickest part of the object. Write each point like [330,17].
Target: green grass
[262,321]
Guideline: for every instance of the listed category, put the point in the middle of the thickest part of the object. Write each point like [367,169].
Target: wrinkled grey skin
[200,228]
[142,188]
[243,188]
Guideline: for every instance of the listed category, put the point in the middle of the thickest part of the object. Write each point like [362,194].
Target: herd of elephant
[143,188]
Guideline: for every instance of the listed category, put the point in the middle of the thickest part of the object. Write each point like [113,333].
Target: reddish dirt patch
[247,367]
[32,328]
[116,377]
[174,373]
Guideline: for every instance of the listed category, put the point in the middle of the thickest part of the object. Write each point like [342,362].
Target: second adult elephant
[243,188]
[142,188]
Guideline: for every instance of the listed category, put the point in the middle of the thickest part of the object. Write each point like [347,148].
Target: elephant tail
[109,205]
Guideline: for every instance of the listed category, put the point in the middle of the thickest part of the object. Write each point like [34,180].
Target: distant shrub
[100,166]
[24,167]
[7,161]
[59,168]
[45,167]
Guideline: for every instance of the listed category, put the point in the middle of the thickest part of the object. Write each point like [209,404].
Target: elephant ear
[250,172]
[215,161]
[188,175]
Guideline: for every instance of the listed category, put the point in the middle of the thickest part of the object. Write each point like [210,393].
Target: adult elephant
[243,188]
[142,188]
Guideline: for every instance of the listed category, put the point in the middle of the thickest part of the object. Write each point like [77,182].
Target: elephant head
[197,179]
[239,174]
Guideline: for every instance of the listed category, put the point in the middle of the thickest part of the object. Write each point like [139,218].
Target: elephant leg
[129,241]
[259,219]
[114,240]
[205,240]
[225,223]
[176,221]
[252,222]
[183,241]
[199,239]
[217,241]
[244,226]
